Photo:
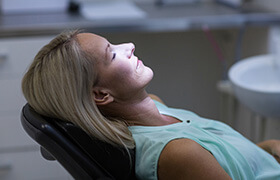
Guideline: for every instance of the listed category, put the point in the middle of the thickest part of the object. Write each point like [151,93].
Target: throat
[140,113]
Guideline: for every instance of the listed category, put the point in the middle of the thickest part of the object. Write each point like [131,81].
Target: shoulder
[185,158]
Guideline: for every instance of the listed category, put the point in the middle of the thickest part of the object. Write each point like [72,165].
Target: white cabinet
[29,165]
[11,98]
[20,158]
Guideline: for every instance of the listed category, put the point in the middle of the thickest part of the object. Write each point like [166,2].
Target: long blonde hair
[59,84]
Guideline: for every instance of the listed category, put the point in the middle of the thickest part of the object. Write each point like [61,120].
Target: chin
[151,74]
[146,76]
[150,77]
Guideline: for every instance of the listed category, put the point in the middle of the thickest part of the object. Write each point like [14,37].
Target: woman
[82,78]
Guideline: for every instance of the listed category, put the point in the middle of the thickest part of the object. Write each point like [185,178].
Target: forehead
[92,43]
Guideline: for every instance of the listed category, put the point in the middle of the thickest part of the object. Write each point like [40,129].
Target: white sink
[256,84]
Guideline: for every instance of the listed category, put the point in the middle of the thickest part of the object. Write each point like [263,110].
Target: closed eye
[114,56]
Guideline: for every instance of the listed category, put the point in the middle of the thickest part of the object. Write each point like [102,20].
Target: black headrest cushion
[107,155]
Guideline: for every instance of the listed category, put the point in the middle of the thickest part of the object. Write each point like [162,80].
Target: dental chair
[83,157]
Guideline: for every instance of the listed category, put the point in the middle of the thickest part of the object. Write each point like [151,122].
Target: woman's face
[119,70]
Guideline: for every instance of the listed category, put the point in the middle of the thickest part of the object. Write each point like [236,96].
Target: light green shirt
[239,157]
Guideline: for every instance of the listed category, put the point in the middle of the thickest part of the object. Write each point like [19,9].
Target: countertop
[159,18]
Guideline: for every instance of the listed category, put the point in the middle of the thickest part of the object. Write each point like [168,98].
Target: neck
[140,111]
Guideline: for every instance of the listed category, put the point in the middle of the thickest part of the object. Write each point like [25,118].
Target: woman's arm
[185,159]
[272,147]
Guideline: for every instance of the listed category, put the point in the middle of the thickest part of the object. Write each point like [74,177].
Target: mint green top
[239,157]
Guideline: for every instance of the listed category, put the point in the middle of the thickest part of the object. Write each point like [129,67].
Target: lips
[138,63]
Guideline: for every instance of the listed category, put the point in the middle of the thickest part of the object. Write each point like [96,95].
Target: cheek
[118,76]
[125,77]
[123,72]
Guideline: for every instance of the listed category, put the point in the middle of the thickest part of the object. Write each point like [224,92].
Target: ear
[102,97]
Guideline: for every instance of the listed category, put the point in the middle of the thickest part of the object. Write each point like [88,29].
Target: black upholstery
[82,156]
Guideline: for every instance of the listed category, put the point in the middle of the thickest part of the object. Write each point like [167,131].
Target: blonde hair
[59,84]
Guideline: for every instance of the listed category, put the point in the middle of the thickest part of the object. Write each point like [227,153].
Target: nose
[130,49]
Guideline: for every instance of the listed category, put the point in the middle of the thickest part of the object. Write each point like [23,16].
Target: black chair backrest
[82,156]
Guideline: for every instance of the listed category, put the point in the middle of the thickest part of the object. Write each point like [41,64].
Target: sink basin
[256,84]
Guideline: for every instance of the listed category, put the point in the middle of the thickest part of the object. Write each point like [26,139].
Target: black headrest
[114,160]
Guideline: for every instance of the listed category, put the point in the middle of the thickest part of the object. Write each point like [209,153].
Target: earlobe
[102,98]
